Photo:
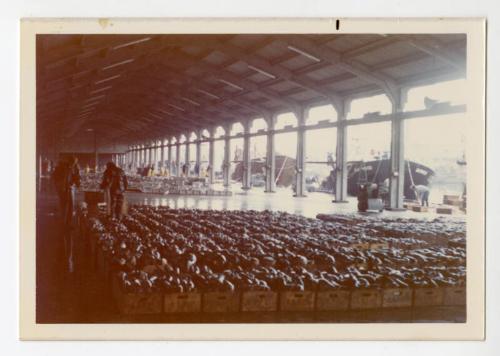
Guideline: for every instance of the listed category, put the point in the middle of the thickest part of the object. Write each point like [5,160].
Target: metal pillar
[178,159]
[397,176]
[227,152]
[343,109]
[153,155]
[198,153]
[169,159]
[187,156]
[247,161]
[300,179]
[95,152]
[211,157]
[162,154]
[270,156]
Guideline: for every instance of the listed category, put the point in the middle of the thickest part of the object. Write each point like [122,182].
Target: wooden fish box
[420,209]
[139,303]
[451,199]
[397,297]
[296,301]
[361,245]
[454,295]
[332,300]
[259,301]
[443,210]
[221,302]
[428,297]
[379,246]
[135,303]
[189,302]
[366,299]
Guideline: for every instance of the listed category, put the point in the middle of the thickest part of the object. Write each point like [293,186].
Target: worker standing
[116,181]
[66,179]
[421,194]
[105,185]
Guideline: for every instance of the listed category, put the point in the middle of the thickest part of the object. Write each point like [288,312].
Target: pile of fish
[181,250]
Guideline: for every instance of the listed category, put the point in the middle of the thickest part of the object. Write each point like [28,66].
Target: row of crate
[209,192]
[287,301]
[270,301]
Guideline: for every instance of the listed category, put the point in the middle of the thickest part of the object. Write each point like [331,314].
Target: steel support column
[300,179]
[247,162]
[198,154]
[169,158]
[270,156]
[211,157]
[162,154]
[155,152]
[227,154]
[342,109]
[178,159]
[187,159]
[397,174]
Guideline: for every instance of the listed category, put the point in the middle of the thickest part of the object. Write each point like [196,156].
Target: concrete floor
[282,200]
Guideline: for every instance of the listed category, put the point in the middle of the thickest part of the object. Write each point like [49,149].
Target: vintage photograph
[263,178]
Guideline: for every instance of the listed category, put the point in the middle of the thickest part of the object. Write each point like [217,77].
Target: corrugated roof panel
[324,73]
[258,78]
[247,41]
[390,52]
[304,95]
[215,58]
[282,86]
[344,43]
[238,68]
[271,51]
[347,84]
[297,62]
[415,67]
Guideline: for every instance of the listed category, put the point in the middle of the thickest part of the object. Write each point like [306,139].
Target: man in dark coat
[115,180]
[66,177]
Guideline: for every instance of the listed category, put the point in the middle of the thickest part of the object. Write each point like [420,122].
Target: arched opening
[258,146]
[286,120]
[173,164]
[320,157]
[424,138]
[325,113]
[204,152]
[369,107]
[286,151]
[258,125]
[219,132]
[236,151]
